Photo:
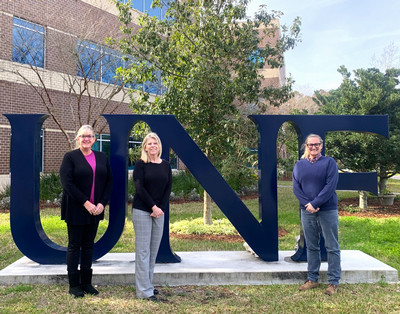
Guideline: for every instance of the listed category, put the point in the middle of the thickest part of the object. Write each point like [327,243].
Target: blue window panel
[89,65]
[28,43]
[108,70]
[102,144]
[99,63]
[111,61]
[104,141]
[150,87]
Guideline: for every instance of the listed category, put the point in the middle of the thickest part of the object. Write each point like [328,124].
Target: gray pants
[148,234]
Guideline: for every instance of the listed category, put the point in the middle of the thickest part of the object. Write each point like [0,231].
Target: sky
[334,33]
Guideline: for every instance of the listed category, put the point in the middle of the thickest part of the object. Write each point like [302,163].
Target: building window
[103,144]
[28,43]
[89,64]
[112,60]
[97,62]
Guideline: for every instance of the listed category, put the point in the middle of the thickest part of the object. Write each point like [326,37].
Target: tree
[371,92]
[390,58]
[208,56]
[86,70]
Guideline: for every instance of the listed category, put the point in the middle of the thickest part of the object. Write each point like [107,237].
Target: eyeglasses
[86,136]
[314,145]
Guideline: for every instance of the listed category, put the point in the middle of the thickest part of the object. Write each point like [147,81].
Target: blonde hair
[304,147]
[144,156]
[81,130]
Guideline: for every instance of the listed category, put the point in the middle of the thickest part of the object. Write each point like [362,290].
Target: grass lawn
[377,237]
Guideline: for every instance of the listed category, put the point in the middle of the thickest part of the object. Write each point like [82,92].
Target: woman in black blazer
[87,183]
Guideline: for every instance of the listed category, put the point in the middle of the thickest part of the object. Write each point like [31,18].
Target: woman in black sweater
[153,181]
[87,183]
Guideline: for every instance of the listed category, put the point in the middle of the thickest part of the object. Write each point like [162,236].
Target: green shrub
[5,197]
[197,226]
[239,178]
[184,183]
[50,186]
[131,187]
[5,192]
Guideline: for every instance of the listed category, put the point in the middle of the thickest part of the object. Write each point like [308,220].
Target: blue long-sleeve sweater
[316,182]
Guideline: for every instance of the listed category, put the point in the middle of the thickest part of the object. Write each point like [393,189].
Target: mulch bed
[217,237]
[375,209]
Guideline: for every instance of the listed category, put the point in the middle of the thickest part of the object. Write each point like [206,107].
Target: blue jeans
[327,223]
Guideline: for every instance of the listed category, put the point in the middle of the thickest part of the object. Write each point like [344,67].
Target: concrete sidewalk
[205,268]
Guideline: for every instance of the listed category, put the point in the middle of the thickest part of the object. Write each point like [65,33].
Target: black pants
[80,244]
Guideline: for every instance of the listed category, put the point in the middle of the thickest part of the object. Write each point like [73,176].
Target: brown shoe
[308,285]
[332,289]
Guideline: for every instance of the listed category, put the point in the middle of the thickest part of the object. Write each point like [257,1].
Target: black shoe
[86,282]
[89,289]
[155,291]
[75,284]
[152,298]
[77,292]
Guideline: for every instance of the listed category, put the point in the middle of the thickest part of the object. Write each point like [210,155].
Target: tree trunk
[363,203]
[382,184]
[207,216]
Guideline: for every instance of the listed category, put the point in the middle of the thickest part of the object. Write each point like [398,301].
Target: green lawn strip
[378,237]
[375,236]
[368,298]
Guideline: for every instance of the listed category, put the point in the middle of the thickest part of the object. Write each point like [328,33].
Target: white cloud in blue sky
[335,33]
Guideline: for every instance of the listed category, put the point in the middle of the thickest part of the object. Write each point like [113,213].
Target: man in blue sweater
[314,183]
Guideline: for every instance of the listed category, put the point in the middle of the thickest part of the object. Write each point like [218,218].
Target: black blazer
[76,179]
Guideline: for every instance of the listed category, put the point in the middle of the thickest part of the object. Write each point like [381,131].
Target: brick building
[53,57]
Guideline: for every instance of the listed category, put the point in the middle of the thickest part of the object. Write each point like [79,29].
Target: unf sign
[262,237]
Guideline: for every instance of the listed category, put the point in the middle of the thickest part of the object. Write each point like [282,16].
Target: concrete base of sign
[205,268]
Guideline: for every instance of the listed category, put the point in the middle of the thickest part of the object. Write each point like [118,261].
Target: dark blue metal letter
[26,227]
[262,237]
[269,125]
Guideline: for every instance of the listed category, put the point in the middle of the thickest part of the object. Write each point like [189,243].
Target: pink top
[91,159]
